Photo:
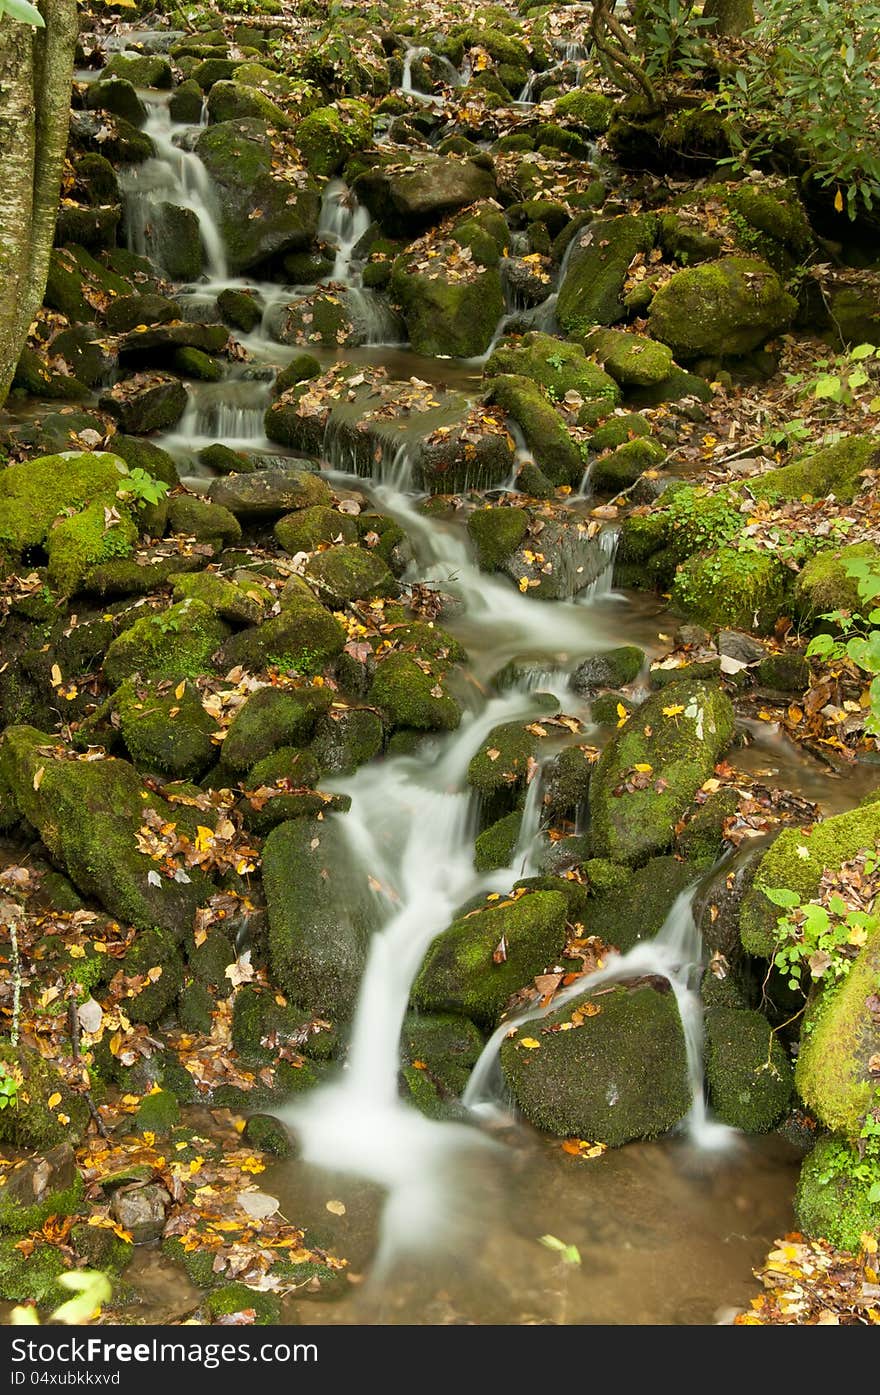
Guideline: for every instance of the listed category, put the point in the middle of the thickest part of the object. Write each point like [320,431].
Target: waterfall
[342,223]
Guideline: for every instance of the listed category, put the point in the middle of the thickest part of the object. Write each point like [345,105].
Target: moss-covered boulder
[795,861]
[630,359]
[547,436]
[77,544]
[267,494]
[29,1121]
[631,905]
[837,1073]
[634,811]
[834,470]
[556,365]
[611,669]
[140,454]
[495,846]
[747,1070]
[610,1066]
[592,290]
[347,738]
[141,70]
[302,639]
[734,588]
[36,1188]
[145,402]
[496,533]
[328,136]
[720,309]
[499,770]
[203,520]
[32,1278]
[90,814]
[35,493]
[447,315]
[174,643]
[461,972]
[838,1195]
[238,602]
[824,584]
[407,192]
[412,697]
[223,1303]
[589,111]
[344,574]
[437,1052]
[165,728]
[238,157]
[321,912]
[271,718]
[308,529]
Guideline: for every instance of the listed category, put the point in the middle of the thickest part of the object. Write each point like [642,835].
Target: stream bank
[407,707]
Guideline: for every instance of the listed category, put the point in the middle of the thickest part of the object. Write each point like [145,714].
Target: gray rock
[141,1211]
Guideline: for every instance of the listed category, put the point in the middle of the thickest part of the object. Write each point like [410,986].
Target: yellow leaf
[673,710]
[204,838]
[643,769]
[529,1043]
[858,935]
[56,676]
[336,1208]
[54,1100]
[180,690]
[523,583]
[38,778]
[76,952]
[623,715]
[838,202]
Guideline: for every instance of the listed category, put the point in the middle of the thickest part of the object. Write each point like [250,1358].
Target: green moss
[840,1038]
[702,838]
[32,1278]
[267,1135]
[837,1195]
[635,906]
[727,587]
[343,574]
[34,493]
[19,1217]
[617,430]
[302,639]
[238,602]
[824,585]
[724,308]
[496,533]
[547,436]
[330,135]
[239,1298]
[150,997]
[459,973]
[681,750]
[147,70]
[270,718]
[630,359]
[260,1025]
[347,739]
[590,111]
[593,286]
[203,520]
[796,861]
[309,529]
[447,317]
[175,643]
[498,770]
[193,363]
[139,454]
[29,1122]
[77,544]
[101,1248]
[615,1076]
[556,365]
[496,845]
[163,731]
[833,470]
[613,668]
[158,1113]
[747,1069]
[406,694]
[622,467]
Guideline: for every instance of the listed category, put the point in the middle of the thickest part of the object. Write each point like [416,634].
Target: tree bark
[36,73]
[731,17]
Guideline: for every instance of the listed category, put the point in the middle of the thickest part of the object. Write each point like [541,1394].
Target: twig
[16,979]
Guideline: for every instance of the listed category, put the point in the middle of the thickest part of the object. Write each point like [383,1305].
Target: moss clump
[498,770]
[147,70]
[824,585]
[747,1069]
[796,861]
[727,587]
[618,430]
[175,643]
[300,368]
[630,359]
[447,317]
[344,574]
[203,520]
[833,470]
[555,365]
[30,1122]
[311,528]
[837,1196]
[496,845]
[270,718]
[330,135]
[459,973]
[410,697]
[633,819]
[302,639]
[165,730]
[36,492]
[241,603]
[547,436]
[139,454]
[268,1135]
[347,739]
[77,544]
[239,1298]
[840,1040]
[702,838]
[158,1112]
[194,363]
[321,912]
[635,907]
[101,1248]
[622,467]
[724,308]
[437,1053]
[590,111]
[32,1278]
[260,1025]
[614,1076]
[592,290]
[497,533]
[240,309]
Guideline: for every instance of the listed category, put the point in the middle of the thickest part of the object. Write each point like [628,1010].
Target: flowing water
[445,1216]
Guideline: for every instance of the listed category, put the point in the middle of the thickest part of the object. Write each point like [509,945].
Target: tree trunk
[732,17]
[36,72]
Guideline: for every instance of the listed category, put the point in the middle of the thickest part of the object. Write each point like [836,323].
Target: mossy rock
[837,1195]
[321,912]
[203,520]
[228,1299]
[139,454]
[343,574]
[445,1047]
[309,529]
[193,363]
[116,95]
[547,436]
[499,769]
[260,1024]
[241,309]
[614,1076]
[610,669]
[174,643]
[823,584]
[591,292]
[630,359]
[76,545]
[158,1113]
[496,533]
[459,974]
[836,1067]
[566,782]
[555,365]
[702,838]
[608,709]
[32,1278]
[235,101]
[328,136]
[796,861]
[620,469]
[636,906]
[267,1135]
[300,369]
[164,731]
[747,1070]
[302,639]
[446,317]
[238,602]
[273,717]
[832,470]
[589,111]
[731,588]
[29,1121]
[346,739]
[269,493]
[681,751]
[34,493]
[410,697]
[142,70]
[496,845]
[153,995]
[100,1248]
[720,309]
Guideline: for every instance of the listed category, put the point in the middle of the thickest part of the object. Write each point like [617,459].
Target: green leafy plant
[670,36]
[22,11]
[817,942]
[91,1290]
[858,637]
[8,1090]
[807,91]
[142,488]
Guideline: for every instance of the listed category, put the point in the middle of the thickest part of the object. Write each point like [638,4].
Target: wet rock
[344,574]
[629,906]
[496,845]
[747,1070]
[430,186]
[164,730]
[497,532]
[112,136]
[143,70]
[622,468]
[742,647]
[611,669]
[146,402]
[555,365]
[34,376]
[592,290]
[186,103]
[437,1053]
[309,528]
[37,1188]
[630,359]
[90,226]
[269,493]
[461,973]
[547,436]
[268,1135]
[302,639]
[86,354]
[116,95]
[633,812]
[271,718]
[157,342]
[174,643]
[347,739]
[410,696]
[238,157]
[241,309]
[174,242]
[723,308]
[560,561]
[618,1073]
[126,312]
[141,1211]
